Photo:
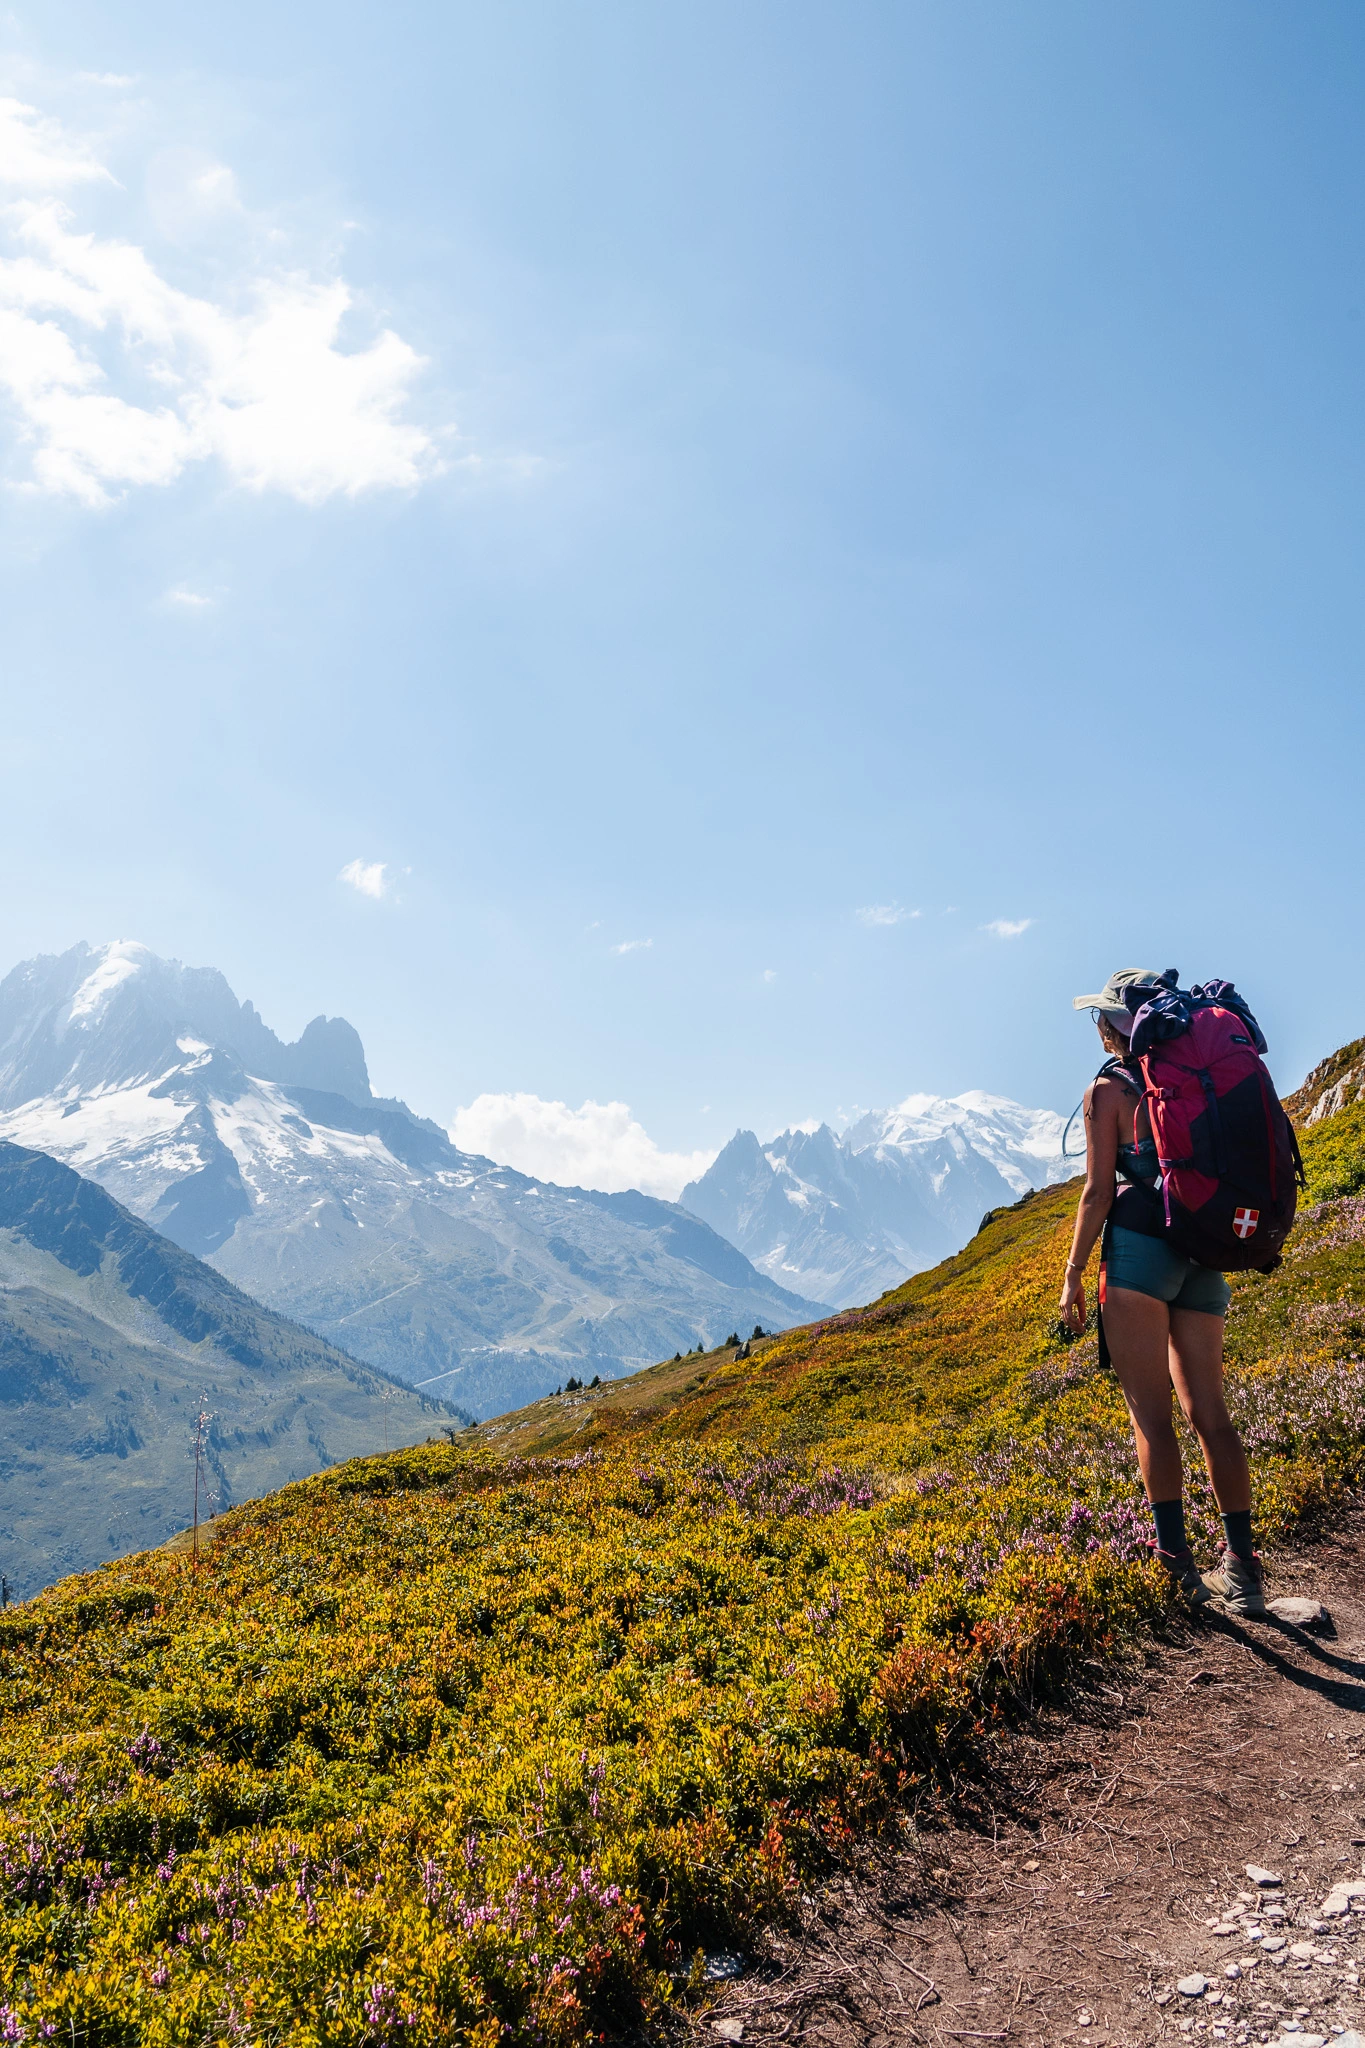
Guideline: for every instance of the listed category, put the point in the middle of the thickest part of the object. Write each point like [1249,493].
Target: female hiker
[1163,1318]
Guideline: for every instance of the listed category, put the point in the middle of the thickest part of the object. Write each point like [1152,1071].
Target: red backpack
[1230,1164]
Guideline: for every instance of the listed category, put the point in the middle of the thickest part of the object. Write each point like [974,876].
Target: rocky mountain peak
[328,1055]
[99,1017]
[845,1216]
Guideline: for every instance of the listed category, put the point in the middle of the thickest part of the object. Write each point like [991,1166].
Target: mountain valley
[278,1165]
[111,1337]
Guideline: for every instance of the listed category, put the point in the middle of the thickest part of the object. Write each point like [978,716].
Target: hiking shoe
[1183,1569]
[1239,1583]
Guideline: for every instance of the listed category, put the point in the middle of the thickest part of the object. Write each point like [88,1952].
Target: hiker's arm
[1101,1153]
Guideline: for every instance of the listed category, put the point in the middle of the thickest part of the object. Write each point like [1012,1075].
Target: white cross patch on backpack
[1244,1221]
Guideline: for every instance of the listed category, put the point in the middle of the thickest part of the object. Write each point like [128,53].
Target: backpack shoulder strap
[1120,1069]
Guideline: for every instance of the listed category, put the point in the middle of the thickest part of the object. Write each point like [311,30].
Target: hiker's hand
[1072,1303]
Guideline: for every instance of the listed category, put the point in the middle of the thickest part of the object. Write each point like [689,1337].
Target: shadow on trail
[1341,1693]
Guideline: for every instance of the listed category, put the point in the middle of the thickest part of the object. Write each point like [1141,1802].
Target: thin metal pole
[198,1449]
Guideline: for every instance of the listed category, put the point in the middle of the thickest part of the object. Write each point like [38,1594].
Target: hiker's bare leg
[1197,1376]
[1137,1329]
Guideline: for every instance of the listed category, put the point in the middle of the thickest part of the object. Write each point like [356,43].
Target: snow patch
[106,1124]
[119,961]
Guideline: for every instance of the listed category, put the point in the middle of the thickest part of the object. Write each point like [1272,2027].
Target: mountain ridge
[346,1210]
[849,1215]
[86,982]
[110,1336]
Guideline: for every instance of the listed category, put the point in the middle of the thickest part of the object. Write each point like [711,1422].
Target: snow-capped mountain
[277,1164]
[847,1216]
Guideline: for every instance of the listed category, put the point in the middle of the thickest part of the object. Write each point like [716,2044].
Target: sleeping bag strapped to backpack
[1230,1165]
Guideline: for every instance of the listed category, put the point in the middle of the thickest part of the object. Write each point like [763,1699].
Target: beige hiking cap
[1110,997]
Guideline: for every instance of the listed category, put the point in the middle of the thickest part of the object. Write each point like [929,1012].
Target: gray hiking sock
[1169,1517]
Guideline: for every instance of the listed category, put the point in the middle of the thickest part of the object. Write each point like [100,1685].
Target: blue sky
[795,537]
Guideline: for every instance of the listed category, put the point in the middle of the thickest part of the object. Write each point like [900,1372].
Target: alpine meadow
[499,1738]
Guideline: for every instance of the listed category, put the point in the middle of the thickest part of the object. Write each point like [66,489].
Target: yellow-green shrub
[432,1748]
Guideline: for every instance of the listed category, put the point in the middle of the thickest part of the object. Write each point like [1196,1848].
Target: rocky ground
[1096,1888]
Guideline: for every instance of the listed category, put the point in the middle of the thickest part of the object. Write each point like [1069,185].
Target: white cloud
[770,974]
[36,155]
[633,946]
[368,878]
[1007,927]
[598,1146]
[116,377]
[884,913]
[186,599]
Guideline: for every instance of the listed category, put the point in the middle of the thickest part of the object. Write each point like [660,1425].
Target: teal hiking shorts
[1147,1265]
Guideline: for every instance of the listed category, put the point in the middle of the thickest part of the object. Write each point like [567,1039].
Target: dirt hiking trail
[1104,1861]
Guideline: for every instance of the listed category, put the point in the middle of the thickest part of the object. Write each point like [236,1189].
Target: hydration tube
[1110,1064]
[1067,1132]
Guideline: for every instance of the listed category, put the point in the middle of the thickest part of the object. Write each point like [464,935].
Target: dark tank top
[1137,1203]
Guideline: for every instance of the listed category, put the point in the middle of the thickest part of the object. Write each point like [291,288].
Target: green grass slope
[466,1745]
[110,1338]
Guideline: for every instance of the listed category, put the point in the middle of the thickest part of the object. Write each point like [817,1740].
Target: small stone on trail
[729,2030]
[1302,1613]
[1303,1949]
[1193,1986]
[1261,1876]
[1032,1863]
[1351,2040]
[1272,1944]
[1232,1970]
[722,1966]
